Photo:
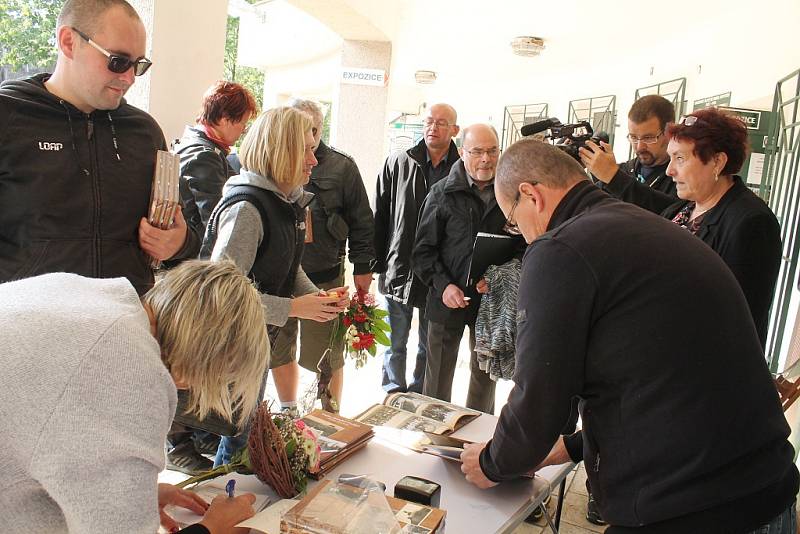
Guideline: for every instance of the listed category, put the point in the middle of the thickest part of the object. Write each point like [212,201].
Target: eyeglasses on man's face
[646,139]
[438,123]
[479,152]
[117,63]
[511,227]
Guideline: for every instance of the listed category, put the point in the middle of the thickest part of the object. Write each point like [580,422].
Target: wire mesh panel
[722,99]
[780,191]
[404,133]
[515,117]
[599,111]
[672,90]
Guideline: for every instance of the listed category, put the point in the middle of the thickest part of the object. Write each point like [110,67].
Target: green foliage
[231,48]
[253,79]
[250,77]
[27,33]
[380,335]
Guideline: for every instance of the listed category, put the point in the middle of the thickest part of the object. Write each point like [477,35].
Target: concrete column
[186,42]
[359,111]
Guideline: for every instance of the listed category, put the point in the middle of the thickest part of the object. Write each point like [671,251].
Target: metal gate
[515,117]
[672,90]
[599,111]
[780,190]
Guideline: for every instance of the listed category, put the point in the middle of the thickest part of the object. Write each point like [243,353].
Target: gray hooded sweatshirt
[240,234]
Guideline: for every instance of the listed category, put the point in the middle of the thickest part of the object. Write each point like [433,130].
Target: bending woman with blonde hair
[88,392]
[260,225]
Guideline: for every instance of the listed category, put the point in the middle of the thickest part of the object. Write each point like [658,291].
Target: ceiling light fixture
[527,46]
[425,76]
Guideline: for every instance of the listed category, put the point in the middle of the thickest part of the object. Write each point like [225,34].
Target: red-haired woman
[706,149]
[227,107]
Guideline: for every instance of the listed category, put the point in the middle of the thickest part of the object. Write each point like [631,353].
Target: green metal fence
[515,117]
[781,190]
[599,111]
[672,90]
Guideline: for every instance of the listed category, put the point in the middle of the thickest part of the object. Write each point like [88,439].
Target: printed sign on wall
[374,77]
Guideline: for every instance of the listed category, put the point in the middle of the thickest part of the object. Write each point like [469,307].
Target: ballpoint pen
[229,487]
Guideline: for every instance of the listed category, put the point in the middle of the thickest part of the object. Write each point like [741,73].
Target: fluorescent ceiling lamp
[527,45]
[425,76]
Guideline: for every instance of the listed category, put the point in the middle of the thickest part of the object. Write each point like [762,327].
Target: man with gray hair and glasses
[76,161]
[455,210]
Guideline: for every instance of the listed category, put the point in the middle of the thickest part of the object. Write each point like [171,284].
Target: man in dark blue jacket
[455,210]
[682,427]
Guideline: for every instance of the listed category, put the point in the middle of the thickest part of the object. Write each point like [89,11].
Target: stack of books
[338,438]
[164,195]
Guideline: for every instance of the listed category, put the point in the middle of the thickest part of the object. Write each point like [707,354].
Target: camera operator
[642,180]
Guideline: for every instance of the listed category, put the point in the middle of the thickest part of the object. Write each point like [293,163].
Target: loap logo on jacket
[44,145]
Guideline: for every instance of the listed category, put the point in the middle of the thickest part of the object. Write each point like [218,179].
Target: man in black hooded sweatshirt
[77,161]
[682,427]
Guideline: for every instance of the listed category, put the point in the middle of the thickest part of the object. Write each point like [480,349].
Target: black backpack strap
[239,193]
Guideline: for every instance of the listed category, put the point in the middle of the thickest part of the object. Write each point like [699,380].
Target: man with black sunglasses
[76,161]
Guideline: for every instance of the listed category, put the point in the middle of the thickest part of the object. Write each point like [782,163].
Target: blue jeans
[228,446]
[394,358]
[784,523]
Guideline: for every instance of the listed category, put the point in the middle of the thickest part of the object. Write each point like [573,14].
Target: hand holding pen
[226,511]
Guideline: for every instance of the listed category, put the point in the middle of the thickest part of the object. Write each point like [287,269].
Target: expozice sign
[376,77]
[750,117]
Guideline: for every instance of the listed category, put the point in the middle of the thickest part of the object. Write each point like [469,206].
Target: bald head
[529,160]
[440,127]
[445,111]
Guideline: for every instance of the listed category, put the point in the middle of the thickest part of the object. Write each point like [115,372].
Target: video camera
[567,137]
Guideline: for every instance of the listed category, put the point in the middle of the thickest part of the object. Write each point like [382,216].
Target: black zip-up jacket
[742,230]
[340,214]
[73,186]
[625,186]
[401,188]
[680,414]
[205,168]
[452,215]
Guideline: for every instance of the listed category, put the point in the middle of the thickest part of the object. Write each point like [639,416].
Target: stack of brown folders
[339,437]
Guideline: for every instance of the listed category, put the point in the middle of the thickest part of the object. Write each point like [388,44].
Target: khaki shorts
[314,340]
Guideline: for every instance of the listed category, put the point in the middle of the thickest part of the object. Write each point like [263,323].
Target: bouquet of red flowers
[362,326]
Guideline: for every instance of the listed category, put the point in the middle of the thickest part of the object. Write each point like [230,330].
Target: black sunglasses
[117,63]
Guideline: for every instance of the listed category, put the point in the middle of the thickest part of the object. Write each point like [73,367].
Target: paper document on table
[208,491]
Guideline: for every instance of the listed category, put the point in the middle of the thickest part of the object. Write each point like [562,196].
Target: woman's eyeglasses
[689,120]
[116,63]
